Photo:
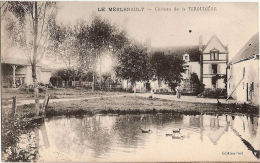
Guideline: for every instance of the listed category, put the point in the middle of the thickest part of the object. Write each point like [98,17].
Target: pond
[120,138]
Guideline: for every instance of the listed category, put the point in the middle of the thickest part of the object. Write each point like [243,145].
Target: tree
[158,62]
[64,43]
[100,36]
[28,27]
[167,68]
[133,64]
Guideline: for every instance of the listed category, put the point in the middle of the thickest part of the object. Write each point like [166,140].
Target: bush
[197,84]
[213,93]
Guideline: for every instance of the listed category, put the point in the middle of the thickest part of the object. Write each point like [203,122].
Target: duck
[176,130]
[146,131]
[177,137]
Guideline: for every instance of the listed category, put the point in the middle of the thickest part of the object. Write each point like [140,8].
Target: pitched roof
[214,37]
[179,51]
[250,49]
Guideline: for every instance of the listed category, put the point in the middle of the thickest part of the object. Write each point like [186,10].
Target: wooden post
[45,104]
[37,107]
[14,106]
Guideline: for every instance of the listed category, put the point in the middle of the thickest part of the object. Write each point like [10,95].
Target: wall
[251,75]
[208,74]
[195,67]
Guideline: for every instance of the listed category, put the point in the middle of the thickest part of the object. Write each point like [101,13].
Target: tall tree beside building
[167,68]
[158,61]
[133,64]
[28,27]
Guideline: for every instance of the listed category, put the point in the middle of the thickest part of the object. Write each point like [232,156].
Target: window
[186,57]
[214,68]
[214,55]
[252,86]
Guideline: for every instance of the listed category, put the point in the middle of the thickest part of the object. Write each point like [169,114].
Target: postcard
[120,81]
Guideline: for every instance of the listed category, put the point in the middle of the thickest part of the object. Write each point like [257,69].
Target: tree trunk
[93,81]
[159,85]
[100,85]
[34,71]
[134,88]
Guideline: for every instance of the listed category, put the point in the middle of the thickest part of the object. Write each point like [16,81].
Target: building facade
[243,73]
[214,63]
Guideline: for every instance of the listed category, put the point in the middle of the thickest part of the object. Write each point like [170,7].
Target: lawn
[55,93]
[129,104]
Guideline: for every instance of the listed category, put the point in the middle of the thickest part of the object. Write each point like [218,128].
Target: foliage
[133,64]
[167,68]
[24,21]
[196,83]
[213,93]
[97,37]
[64,43]
[70,75]
[27,25]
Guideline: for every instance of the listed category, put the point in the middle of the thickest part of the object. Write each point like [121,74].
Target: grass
[55,93]
[132,105]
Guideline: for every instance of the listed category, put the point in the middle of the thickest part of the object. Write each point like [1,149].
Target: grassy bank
[133,105]
[56,93]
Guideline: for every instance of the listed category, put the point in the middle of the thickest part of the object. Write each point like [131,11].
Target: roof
[221,47]
[179,51]
[250,49]
[15,61]
[23,62]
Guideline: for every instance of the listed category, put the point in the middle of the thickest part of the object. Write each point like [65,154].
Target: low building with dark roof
[17,71]
[243,73]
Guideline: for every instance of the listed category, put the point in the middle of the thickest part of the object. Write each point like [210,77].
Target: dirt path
[193,99]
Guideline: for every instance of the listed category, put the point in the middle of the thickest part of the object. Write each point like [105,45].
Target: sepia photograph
[122,81]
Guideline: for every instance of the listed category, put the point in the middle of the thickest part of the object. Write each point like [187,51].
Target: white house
[214,62]
[243,73]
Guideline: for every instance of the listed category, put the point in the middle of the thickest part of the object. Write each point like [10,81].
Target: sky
[233,23]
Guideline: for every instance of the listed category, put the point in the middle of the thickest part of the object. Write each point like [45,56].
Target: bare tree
[28,27]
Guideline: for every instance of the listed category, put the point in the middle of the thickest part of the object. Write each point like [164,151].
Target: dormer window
[186,57]
[214,55]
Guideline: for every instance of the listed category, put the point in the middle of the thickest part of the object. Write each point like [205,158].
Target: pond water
[120,138]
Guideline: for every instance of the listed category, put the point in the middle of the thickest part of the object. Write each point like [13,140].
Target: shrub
[213,93]
[197,84]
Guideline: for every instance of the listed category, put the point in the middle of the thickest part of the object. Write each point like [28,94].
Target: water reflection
[119,138]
